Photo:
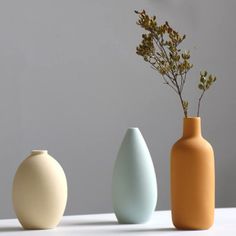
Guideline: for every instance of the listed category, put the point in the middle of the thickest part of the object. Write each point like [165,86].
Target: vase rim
[133,128]
[37,151]
[192,118]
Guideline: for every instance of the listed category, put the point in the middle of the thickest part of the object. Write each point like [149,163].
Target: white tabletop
[106,224]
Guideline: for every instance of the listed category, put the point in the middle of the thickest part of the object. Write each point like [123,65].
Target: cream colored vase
[39,191]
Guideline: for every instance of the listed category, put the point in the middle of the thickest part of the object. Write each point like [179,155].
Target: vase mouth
[192,118]
[133,128]
[37,151]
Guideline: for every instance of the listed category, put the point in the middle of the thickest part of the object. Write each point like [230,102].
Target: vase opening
[34,152]
[133,128]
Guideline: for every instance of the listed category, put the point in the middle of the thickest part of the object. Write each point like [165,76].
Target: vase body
[192,179]
[39,191]
[134,186]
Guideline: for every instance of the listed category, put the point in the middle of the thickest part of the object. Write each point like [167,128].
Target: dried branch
[160,48]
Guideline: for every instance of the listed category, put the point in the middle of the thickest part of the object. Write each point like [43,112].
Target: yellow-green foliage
[160,48]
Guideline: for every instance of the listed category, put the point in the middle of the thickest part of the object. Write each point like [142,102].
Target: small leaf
[200,86]
[210,78]
[203,79]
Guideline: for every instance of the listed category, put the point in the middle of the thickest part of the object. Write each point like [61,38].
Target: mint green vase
[134,186]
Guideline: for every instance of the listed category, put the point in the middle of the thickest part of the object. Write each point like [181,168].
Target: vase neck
[192,127]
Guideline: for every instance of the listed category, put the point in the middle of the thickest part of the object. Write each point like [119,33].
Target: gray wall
[71,83]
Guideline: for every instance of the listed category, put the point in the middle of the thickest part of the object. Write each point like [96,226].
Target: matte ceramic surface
[134,186]
[192,179]
[39,191]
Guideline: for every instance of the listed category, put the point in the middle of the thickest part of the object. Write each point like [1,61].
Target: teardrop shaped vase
[134,186]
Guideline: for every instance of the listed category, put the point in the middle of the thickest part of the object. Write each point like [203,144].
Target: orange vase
[192,179]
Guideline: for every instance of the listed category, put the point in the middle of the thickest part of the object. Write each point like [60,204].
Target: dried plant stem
[182,104]
[174,79]
[199,102]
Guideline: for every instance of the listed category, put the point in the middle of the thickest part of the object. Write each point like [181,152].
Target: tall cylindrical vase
[39,191]
[192,179]
[134,187]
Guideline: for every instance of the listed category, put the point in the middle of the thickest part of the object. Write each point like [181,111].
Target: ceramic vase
[134,186]
[192,179]
[39,191]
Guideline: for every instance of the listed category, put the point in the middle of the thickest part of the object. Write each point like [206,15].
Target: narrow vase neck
[192,127]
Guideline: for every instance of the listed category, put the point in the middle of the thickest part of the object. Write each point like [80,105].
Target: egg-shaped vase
[192,179]
[39,191]
[134,185]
